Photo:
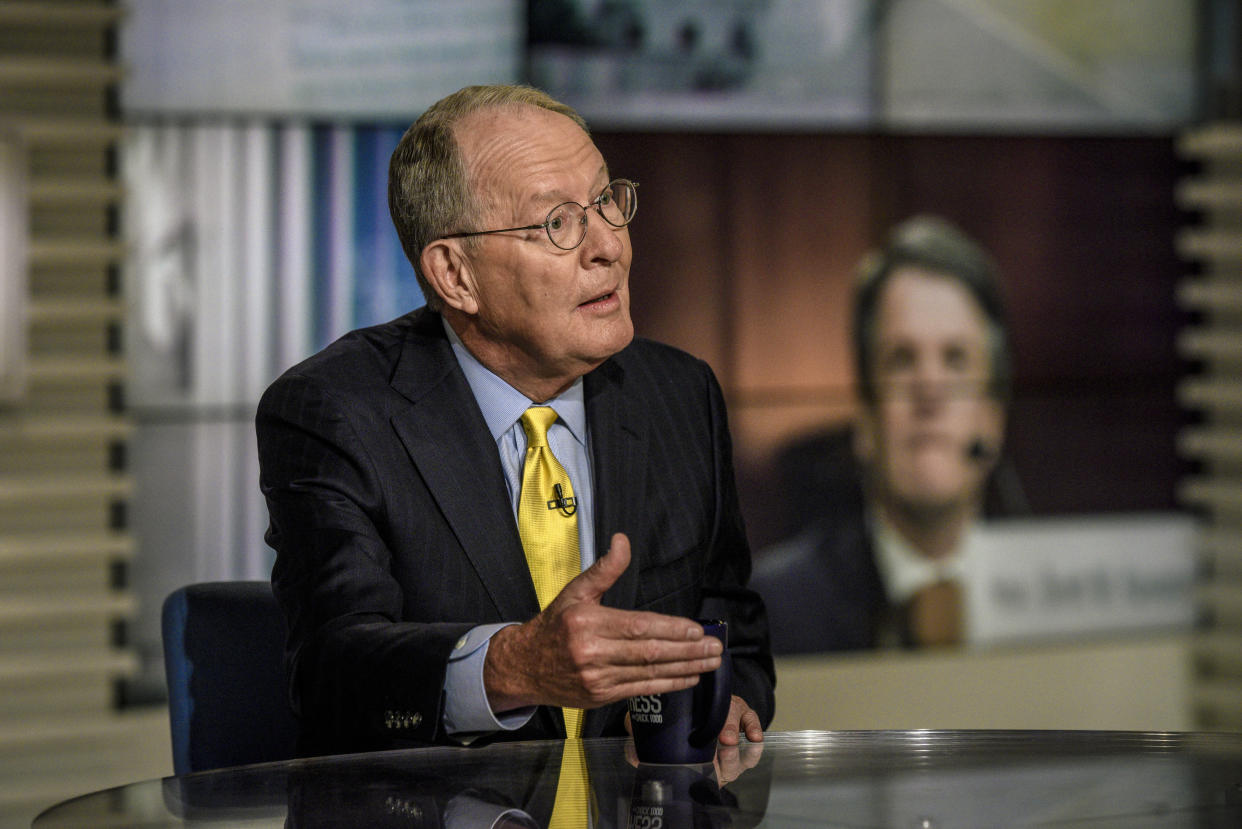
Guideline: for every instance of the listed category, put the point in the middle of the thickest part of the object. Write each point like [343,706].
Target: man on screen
[886,558]
[496,516]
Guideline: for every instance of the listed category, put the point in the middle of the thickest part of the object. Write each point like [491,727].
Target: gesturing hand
[580,654]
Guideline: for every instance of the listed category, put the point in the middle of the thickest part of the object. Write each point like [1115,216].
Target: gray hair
[428,191]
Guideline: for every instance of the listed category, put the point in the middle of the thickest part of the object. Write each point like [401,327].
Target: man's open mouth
[599,298]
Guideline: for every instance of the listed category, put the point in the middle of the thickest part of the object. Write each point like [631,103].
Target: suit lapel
[618,428]
[447,439]
[619,453]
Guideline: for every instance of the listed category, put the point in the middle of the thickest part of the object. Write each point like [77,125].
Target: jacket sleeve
[360,677]
[727,572]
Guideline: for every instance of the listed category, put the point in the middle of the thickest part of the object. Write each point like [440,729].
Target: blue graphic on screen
[384,281]
[361,275]
[327,215]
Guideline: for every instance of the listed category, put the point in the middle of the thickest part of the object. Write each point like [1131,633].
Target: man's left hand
[741,720]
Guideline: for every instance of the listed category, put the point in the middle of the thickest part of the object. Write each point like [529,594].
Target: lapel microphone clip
[567,506]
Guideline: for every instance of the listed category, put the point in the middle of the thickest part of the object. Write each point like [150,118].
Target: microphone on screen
[979,451]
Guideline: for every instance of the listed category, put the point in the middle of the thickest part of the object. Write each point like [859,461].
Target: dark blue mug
[679,797]
[682,726]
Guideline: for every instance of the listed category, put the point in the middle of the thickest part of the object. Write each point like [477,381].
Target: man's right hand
[579,654]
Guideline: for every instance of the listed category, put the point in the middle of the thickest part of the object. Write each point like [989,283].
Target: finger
[729,732]
[608,683]
[750,755]
[643,625]
[591,584]
[631,753]
[728,764]
[612,680]
[697,656]
[733,761]
[646,687]
[741,719]
[752,726]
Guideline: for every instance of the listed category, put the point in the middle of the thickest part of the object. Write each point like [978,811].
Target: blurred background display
[194,199]
[776,141]
[313,58]
[909,64]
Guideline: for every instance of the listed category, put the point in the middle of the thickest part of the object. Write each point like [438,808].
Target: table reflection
[908,779]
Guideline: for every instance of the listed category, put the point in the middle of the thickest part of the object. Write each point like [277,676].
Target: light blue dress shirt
[466,710]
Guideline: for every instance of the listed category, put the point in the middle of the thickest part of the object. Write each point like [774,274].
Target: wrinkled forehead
[528,153]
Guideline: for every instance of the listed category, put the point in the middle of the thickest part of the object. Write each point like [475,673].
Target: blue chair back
[228,701]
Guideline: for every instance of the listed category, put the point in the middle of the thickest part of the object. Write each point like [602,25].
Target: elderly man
[887,557]
[497,516]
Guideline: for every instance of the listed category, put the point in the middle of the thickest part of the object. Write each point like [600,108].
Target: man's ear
[992,427]
[449,272]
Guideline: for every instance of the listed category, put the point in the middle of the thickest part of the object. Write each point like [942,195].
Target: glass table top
[904,779]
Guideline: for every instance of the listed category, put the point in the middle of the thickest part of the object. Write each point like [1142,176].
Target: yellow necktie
[572,808]
[548,523]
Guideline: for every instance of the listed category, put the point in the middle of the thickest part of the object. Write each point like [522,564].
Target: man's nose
[603,241]
[929,384]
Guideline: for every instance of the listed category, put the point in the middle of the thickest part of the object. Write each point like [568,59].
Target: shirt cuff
[464,811]
[466,710]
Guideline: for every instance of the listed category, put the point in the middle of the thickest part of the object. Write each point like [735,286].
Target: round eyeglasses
[566,224]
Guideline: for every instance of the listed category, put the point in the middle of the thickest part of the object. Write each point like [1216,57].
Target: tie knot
[536,421]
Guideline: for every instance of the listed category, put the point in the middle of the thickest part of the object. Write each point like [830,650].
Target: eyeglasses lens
[618,203]
[567,223]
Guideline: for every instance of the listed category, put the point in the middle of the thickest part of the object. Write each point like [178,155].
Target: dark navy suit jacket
[822,586]
[395,534]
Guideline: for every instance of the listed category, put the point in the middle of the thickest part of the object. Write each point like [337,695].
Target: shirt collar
[905,571]
[503,405]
